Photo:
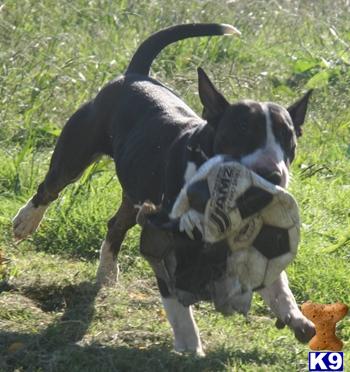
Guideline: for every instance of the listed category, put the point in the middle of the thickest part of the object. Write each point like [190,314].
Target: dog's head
[262,136]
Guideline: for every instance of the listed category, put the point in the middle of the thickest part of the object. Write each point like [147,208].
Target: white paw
[303,329]
[108,271]
[200,353]
[107,276]
[27,220]
[182,349]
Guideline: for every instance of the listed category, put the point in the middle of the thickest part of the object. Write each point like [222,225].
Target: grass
[56,55]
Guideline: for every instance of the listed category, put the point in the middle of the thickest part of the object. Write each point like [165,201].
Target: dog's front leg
[280,299]
[185,329]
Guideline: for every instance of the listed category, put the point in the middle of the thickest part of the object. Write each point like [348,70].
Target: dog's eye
[291,155]
[287,137]
[292,148]
[289,144]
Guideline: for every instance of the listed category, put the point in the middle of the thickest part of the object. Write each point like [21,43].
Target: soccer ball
[259,222]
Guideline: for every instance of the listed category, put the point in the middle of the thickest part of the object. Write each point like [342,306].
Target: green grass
[54,55]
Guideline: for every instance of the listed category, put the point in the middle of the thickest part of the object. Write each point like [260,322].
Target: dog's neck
[201,144]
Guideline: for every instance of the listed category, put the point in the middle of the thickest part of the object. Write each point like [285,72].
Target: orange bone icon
[325,318]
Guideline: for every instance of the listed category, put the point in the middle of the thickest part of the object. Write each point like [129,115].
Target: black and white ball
[258,220]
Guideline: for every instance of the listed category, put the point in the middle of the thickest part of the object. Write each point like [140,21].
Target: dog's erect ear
[213,101]
[297,111]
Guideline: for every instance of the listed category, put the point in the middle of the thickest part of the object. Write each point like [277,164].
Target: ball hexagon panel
[272,241]
[253,200]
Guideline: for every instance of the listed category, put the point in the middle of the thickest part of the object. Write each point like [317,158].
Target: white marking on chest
[190,171]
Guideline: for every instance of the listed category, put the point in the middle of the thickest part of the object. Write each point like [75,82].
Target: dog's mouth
[276,173]
[276,177]
[273,177]
[271,170]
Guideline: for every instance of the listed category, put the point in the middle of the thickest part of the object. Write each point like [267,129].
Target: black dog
[157,142]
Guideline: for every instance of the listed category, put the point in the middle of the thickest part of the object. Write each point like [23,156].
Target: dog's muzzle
[274,177]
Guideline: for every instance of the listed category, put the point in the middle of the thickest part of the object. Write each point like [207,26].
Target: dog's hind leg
[79,145]
[118,225]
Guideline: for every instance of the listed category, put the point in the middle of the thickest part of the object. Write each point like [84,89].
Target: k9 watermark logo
[325,361]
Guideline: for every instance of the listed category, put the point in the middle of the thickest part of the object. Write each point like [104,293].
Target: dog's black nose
[273,177]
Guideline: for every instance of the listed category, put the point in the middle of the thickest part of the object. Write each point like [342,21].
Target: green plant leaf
[319,80]
[302,65]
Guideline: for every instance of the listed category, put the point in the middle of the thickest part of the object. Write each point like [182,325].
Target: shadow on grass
[58,347]
[78,303]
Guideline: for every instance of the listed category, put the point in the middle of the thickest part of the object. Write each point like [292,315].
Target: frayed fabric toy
[230,232]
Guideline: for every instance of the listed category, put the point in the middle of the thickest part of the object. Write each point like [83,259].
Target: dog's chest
[195,157]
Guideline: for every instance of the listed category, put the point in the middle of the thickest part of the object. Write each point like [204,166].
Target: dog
[157,143]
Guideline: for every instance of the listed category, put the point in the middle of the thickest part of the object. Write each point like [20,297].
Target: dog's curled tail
[150,48]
